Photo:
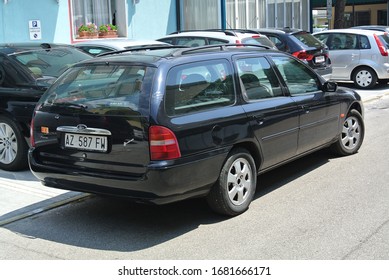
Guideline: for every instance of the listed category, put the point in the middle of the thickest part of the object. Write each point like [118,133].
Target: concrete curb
[42,206]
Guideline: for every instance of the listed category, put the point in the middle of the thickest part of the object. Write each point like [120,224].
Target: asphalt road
[317,208]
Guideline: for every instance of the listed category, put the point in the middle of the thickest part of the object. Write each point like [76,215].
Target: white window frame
[121,16]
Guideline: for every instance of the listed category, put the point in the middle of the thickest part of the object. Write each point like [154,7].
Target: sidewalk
[369,95]
[22,196]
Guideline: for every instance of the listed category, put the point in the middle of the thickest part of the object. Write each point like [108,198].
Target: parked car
[383,28]
[96,47]
[358,55]
[197,38]
[26,71]
[170,124]
[303,45]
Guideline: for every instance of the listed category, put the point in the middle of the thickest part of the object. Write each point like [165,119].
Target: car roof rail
[142,48]
[230,32]
[242,30]
[221,47]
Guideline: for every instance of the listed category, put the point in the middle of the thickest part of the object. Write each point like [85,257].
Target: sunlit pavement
[22,195]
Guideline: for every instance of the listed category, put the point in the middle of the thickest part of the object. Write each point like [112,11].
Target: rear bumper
[162,183]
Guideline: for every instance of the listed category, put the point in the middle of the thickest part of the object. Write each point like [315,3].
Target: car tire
[13,146]
[364,78]
[235,188]
[351,136]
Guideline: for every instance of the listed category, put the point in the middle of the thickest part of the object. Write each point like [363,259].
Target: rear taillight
[303,55]
[381,47]
[163,144]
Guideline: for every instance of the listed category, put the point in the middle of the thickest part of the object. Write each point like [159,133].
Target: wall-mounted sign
[329,9]
[34,27]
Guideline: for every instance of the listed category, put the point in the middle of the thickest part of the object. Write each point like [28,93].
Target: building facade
[357,12]
[59,20]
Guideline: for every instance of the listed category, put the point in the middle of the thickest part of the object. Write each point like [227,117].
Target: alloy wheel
[8,144]
[351,133]
[239,181]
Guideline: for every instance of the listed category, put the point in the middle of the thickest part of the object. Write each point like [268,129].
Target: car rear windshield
[258,40]
[50,62]
[99,88]
[384,39]
[307,39]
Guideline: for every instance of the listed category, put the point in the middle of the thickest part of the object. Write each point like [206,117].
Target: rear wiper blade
[71,105]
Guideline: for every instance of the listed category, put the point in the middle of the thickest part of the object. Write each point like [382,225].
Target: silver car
[358,55]
[204,37]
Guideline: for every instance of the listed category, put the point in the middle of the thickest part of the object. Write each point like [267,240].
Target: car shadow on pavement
[282,175]
[103,223]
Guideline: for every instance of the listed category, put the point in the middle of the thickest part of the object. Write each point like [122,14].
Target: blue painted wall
[151,19]
[147,19]
[16,14]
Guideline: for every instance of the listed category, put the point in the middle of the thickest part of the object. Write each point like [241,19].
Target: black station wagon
[173,123]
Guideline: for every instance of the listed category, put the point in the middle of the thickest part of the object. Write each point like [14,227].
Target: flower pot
[83,34]
[93,35]
[87,35]
[108,34]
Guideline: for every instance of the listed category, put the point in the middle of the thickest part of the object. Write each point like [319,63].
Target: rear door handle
[258,118]
[305,108]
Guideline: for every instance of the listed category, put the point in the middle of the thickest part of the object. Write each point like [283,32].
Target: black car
[174,123]
[26,71]
[302,45]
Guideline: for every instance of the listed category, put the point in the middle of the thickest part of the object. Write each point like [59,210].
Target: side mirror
[330,86]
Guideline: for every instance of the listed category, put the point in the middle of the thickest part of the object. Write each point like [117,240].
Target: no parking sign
[35,29]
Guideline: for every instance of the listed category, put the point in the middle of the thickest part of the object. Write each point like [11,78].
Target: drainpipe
[178,15]
[224,13]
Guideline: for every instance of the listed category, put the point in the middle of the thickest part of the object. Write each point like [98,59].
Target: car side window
[336,42]
[340,41]
[298,78]
[213,41]
[364,42]
[2,72]
[95,50]
[191,41]
[167,40]
[350,42]
[257,79]
[277,41]
[198,87]
[9,76]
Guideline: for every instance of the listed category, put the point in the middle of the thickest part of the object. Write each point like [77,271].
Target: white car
[216,37]
[357,55]
[96,47]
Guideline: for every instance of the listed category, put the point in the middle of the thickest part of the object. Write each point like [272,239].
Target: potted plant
[87,31]
[107,31]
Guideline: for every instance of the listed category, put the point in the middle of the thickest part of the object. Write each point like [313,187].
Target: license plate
[86,142]
[319,59]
